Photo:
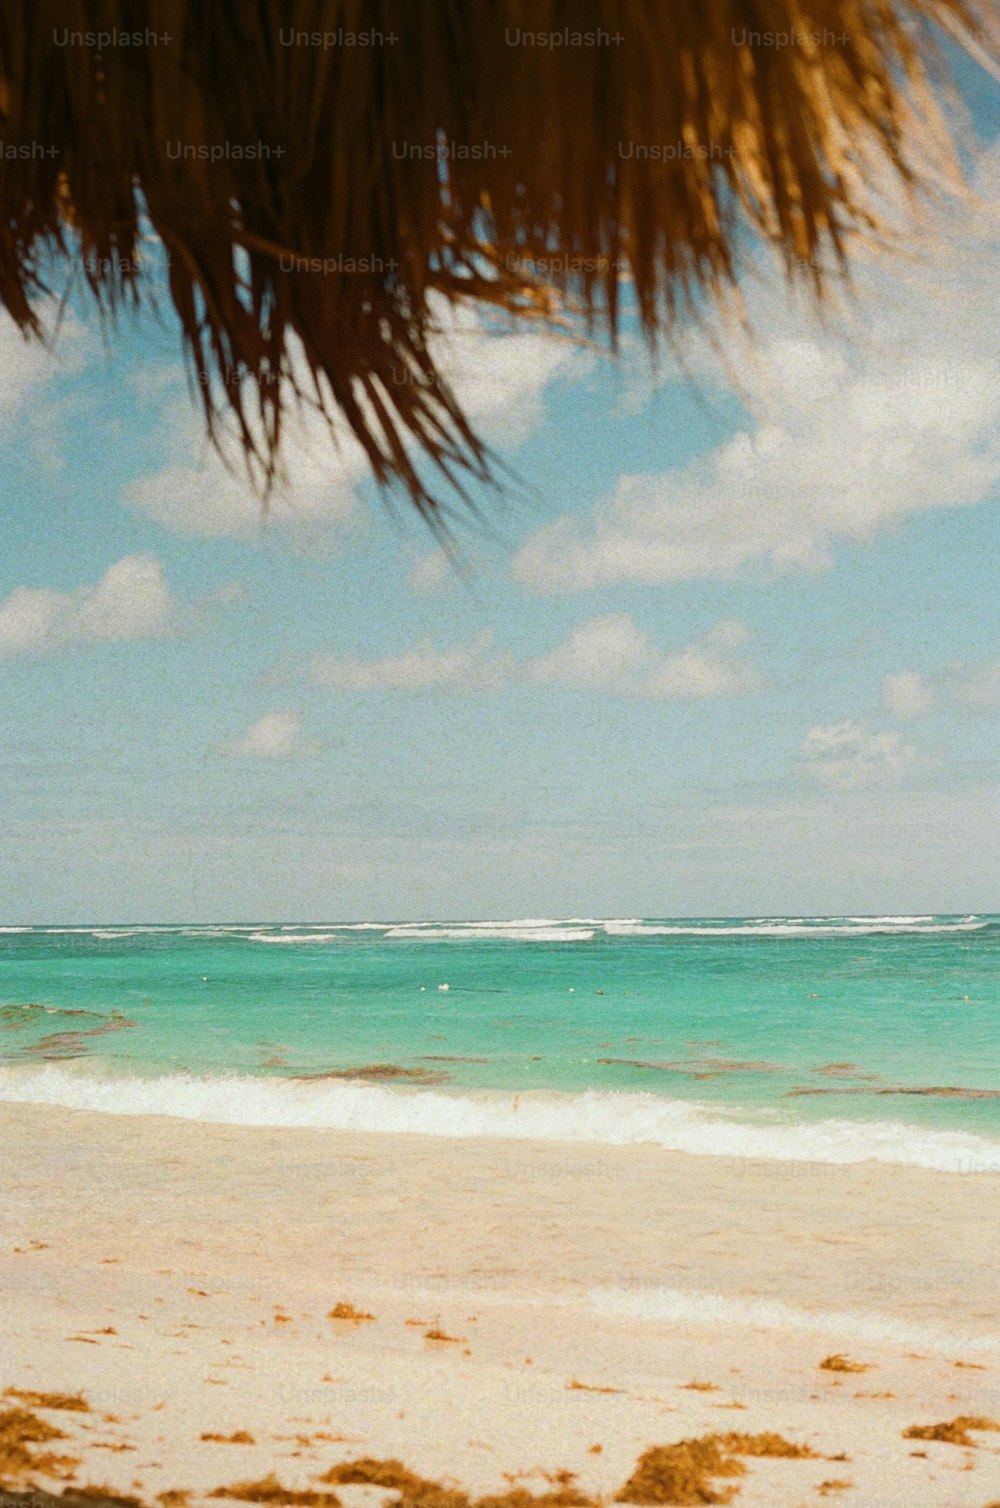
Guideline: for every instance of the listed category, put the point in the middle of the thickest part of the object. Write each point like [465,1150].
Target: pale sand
[190,1241]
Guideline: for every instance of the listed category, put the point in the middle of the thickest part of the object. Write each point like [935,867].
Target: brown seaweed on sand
[73,1403]
[952,1431]
[566,1496]
[269,1490]
[238,1437]
[420,1492]
[19,1431]
[93,1495]
[838,1362]
[87,1496]
[767,1444]
[682,1474]
[415,1491]
[345,1311]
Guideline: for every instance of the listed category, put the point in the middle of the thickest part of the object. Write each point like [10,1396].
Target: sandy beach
[598,1302]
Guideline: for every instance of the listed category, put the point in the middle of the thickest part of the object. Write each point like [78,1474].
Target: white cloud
[195,493]
[609,653]
[276,735]
[466,667]
[849,438]
[970,685]
[906,694]
[597,655]
[847,755]
[131,601]
[500,380]
[27,367]
[432,572]
[711,666]
[975,687]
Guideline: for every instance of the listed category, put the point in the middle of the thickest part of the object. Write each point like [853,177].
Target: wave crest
[591,1117]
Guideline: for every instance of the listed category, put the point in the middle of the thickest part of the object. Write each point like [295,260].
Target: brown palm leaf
[374,158]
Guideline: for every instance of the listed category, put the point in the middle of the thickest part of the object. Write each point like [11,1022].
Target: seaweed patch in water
[16,1018]
[71,1044]
[944,1092]
[375,1073]
[443,1057]
[700,1068]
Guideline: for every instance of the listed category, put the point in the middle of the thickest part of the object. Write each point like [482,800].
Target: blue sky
[735,650]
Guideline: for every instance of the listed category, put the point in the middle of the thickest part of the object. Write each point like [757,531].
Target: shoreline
[370,1102]
[631,1272]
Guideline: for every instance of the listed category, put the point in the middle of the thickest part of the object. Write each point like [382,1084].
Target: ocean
[803,1039]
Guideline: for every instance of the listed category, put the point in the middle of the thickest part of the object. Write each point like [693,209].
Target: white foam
[894,921]
[791,929]
[594,1118]
[481,932]
[293,937]
[677,1306]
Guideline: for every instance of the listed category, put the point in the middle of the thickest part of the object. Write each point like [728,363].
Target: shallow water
[830,1039]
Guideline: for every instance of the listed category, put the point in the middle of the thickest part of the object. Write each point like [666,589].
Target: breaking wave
[595,1118]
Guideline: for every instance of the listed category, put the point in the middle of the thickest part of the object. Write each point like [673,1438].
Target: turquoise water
[759,1023]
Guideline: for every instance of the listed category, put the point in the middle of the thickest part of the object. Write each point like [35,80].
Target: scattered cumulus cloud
[432,572]
[849,437]
[464,667]
[968,685]
[500,374]
[276,735]
[29,367]
[975,686]
[500,379]
[847,755]
[610,653]
[131,601]
[906,694]
[196,493]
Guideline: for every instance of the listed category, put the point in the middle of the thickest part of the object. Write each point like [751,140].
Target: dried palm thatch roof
[320,171]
